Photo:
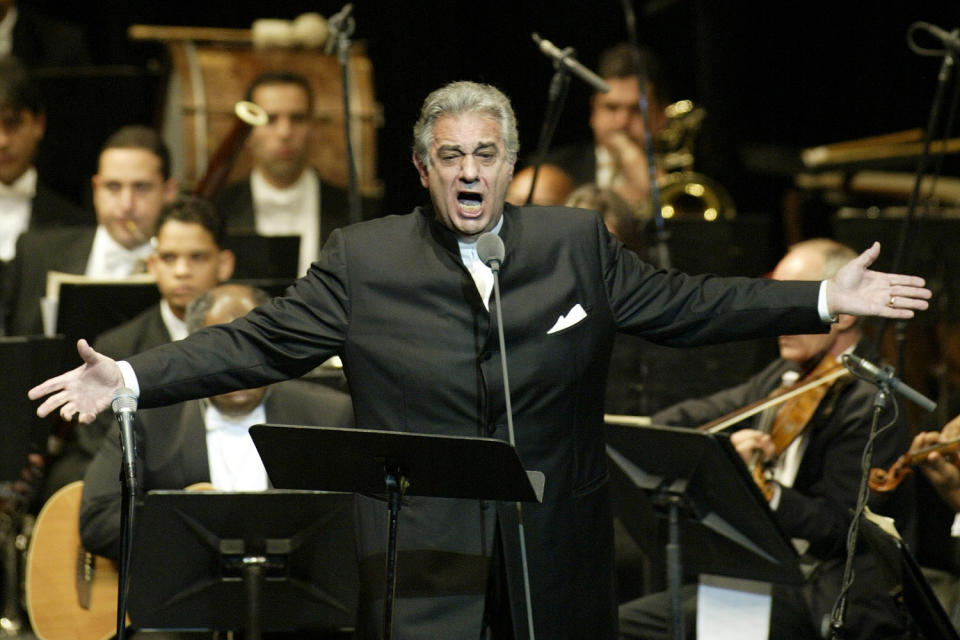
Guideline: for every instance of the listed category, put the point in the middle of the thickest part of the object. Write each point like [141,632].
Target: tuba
[684,193]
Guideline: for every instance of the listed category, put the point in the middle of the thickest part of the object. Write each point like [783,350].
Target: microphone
[124,405]
[336,25]
[949,39]
[883,376]
[490,249]
[565,58]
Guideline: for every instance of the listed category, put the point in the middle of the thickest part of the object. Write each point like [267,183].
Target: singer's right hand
[84,391]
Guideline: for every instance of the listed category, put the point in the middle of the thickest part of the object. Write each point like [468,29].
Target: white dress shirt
[110,259]
[6,31]
[291,211]
[16,201]
[234,462]
[176,327]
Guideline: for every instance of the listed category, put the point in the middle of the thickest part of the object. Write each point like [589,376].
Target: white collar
[176,327]
[23,187]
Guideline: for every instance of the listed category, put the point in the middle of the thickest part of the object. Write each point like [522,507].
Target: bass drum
[208,79]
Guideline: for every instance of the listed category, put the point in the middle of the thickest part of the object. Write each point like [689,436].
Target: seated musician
[188,258]
[813,482]
[939,464]
[203,440]
[284,195]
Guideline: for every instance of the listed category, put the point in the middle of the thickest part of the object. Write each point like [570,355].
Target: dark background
[774,77]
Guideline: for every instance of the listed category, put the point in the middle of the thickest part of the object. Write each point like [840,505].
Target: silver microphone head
[124,399]
[490,249]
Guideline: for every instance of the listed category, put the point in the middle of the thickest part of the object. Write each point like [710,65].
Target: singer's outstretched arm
[84,391]
[858,291]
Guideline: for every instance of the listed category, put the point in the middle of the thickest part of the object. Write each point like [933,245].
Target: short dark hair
[137,136]
[18,91]
[619,61]
[195,210]
[281,77]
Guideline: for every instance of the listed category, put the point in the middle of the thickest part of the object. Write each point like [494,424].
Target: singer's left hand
[858,291]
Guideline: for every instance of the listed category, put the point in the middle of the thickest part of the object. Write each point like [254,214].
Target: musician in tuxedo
[406,303]
[284,195]
[203,440]
[614,158]
[813,484]
[130,187]
[939,462]
[189,258]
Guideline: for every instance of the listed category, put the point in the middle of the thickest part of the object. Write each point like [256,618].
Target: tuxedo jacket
[817,506]
[392,297]
[172,452]
[144,331]
[235,203]
[578,160]
[41,41]
[64,249]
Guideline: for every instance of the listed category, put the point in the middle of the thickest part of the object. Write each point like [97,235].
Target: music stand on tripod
[717,517]
[270,560]
[394,464]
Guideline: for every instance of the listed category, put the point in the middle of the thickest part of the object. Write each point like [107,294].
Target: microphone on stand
[338,25]
[491,252]
[565,58]
[949,39]
[124,406]
[883,376]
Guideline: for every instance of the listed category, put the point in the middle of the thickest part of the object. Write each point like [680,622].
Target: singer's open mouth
[470,202]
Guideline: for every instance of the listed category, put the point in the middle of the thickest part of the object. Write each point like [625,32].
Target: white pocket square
[575,315]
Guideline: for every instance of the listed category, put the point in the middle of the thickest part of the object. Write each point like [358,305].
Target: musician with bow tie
[131,186]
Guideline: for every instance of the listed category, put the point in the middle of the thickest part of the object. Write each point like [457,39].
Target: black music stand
[269,257]
[87,309]
[394,464]
[27,361]
[717,515]
[900,567]
[273,560]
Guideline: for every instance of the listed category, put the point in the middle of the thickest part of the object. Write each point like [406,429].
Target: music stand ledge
[394,464]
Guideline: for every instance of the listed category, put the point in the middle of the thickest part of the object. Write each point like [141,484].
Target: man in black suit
[284,195]
[813,483]
[130,187]
[614,158]
[405,301]
[25,201]
[203,440]
[39,40]
[188,260]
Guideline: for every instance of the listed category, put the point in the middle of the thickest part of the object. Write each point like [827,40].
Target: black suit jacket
[172,448]
[235,203]
[41,41]
[579,161]
[817,507]
[140,333]
[420,351]
[61,249]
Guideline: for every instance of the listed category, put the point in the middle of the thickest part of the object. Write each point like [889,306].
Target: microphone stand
[660,254]
[128,478]
[556,97]
[943,77]
[495,268]
[342,27]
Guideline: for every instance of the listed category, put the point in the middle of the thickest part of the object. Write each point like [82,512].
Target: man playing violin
[939,464]
[812,483]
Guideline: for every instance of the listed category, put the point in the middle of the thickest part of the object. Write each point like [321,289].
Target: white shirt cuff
[822,305]
[129,377]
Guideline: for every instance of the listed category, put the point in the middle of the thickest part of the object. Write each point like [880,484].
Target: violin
[883,480]
[799,403]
